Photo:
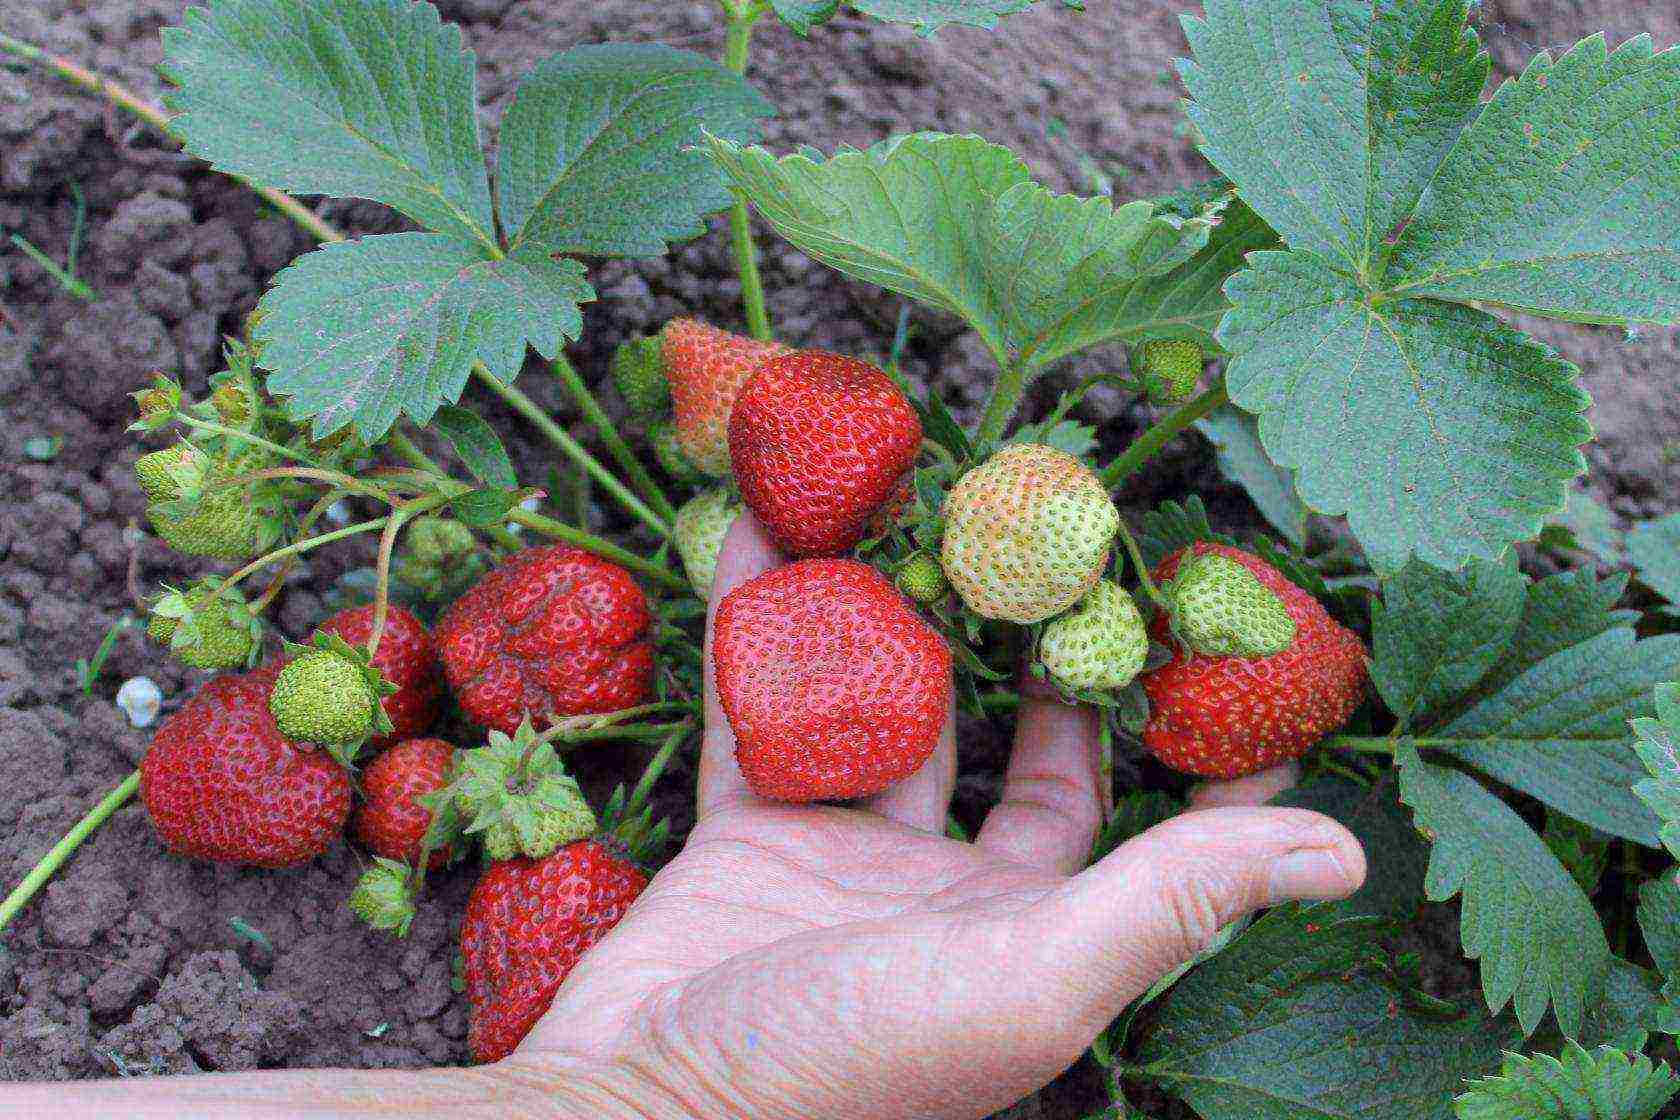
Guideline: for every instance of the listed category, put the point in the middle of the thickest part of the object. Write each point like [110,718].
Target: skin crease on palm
[842,963]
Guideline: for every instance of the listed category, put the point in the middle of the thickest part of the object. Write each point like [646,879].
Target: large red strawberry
[819,443]
[706,368]
[552,632]
[1224,717]
[832,683]
[391,822]
[527,924]
[221,783]
[406,658]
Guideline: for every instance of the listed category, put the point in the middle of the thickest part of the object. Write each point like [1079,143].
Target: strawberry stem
[406,448]
[1152,440]
[1367,744]
[621,453]
[234,433]
[1001,405]
[382,581]
[1138,565]
[589,542]
[61,851]
[736,40]
[655,768]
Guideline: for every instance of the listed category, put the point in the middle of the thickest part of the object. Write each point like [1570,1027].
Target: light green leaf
[956,223]
[365,98]
[1536,935]
[597,148]
[478,445]
[1605,1084]
[1236,437]
[803,15]
[1654,547]
[1658,747]
[1659,921]
[1435,633]
[1559,732]
[1299,1020]
[1560,199]
[1436,429]
[390,325]
[928,16]
[1331,116]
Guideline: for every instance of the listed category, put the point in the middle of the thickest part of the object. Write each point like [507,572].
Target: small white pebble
[133,535]
[140,698]
[339,512]
[529,505]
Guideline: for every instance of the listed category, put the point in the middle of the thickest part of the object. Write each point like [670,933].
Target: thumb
[1159,899]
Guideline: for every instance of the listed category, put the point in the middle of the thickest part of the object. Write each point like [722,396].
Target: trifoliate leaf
[1236,438]
[390,325]
[1632,1009]
[478,445]
[1654,547]
[956,223]
[1301,1019]
[1604,1084]
[1533,930]
[596,150]
[1436,633]
[363,98]
[1436,429]
[802,15]
[1658,747]
[1394,852]
[1560,611]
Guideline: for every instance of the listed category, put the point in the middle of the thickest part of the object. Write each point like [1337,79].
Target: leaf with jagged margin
[1657,744]
[1659,921]
[1604,1084]
[598,151]
[1395,854]
[1528,923]
[802,15]
[1586,525]
[390,325]
[359,98]
[1654,548]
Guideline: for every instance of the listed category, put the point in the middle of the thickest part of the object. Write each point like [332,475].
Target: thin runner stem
[1151,441]
[736,41]
[61,851]
[620,451]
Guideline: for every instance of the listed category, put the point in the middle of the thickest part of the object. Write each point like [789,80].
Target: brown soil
[134,961]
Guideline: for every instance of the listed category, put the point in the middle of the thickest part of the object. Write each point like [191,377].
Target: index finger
[747,552]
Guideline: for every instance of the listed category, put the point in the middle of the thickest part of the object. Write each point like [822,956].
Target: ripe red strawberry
[527,924]
[552,632]
[391,823]
[407,658]
[1224,717]
[833,685]
[819,443]
[221,783]
[706,368]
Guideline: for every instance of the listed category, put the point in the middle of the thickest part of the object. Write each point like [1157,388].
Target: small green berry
[515,794]
[1169,368]
[638,370]
[384,896]
[662,434]
[1221,609]
[922,579]
[323,697]
[1100,644]
[702,523]
[206,630]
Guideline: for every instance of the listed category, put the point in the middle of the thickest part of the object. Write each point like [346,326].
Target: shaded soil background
[134,961]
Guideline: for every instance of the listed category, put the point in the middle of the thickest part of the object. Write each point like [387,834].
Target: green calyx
[640,838]
[384,896]
[204,629]
[514,793]
[638,371]
[329,694]
[1169,368]
[157,404]
[1100,644]
[1221,609]
[922,579]
[662,435]
[702,523]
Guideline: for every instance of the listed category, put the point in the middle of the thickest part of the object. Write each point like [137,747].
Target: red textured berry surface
[833,685]
[390,822]
[819,443]
[706,368]
[552,632]
[407,658]
[1224,717]
[527,925]
[221,783]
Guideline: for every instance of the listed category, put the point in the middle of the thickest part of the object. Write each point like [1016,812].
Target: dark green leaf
[802,15]
[1659,921]
[1170,527]
[1236,436]
[483,508]
[1658,747]
[1654,547]
[928,16]
[478,445]
[941,427]
[1605,1084]
[1395,854]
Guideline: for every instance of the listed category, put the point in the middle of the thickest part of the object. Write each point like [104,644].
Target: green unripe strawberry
[922,579]
[384,896]
[167,474]
[662,434]
[638,370]
[515,795]
[1219,608]
[701,525]
[225,522]
[206,630]
[439,557]
[1169,368]
[1100,644]
[323,697]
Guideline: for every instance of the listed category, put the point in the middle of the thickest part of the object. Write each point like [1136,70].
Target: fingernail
[1310,873]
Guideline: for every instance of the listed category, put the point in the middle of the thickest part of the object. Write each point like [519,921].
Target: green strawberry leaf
[1135,812]
[485,507]
[956,223]
[1077,439]
[1559,611]
[1528,923]
[478,445]
[928,16]
[1633,1008]
[1396,855]
[1604,1084]
[390,325]
[1587,526]
[1475,426]
[1171,526]
[1242,459]
[1654,548]
[1435,633]
[1659,921]
[802,15]
[362,98]
[1189,301]
[597,151]
[1301,1018]
[1657,744]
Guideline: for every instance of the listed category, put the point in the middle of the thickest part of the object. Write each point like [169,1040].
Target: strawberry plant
[1332,309]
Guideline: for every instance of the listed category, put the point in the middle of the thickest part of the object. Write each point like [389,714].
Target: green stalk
[1371,744]
[737,38]
[1001,405]
[561,531]
[1164,429]
[61,851]
[407,449]
[621,453]
[655,768]
[1138,565]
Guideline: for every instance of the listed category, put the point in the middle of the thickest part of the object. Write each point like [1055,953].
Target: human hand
[798,961]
